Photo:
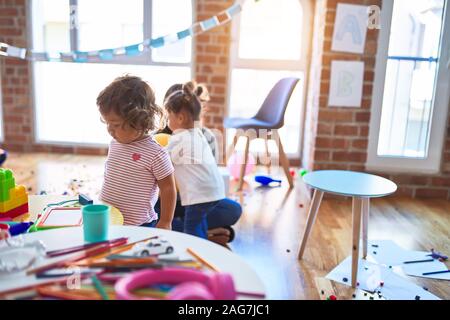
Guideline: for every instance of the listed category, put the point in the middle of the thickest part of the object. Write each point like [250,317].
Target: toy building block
[18,196]
[7,182]
[16,212]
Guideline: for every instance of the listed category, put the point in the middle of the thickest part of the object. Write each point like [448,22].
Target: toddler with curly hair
[136,167]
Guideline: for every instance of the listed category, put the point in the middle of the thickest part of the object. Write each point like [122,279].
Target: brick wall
[212,61]
[339,136]
[17,112]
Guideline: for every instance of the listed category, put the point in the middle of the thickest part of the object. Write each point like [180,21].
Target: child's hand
[164,225]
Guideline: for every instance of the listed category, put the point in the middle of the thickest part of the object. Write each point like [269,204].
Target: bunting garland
[131,50]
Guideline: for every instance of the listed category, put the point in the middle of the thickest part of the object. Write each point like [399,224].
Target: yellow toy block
[18,196]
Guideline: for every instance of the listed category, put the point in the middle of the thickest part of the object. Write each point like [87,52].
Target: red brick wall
[17,112]
[212,61]
[211,65]
[340,135]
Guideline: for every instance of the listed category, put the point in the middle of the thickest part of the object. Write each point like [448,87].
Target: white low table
[245,279]
[361,187]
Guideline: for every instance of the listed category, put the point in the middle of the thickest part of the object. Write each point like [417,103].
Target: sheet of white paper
[417,269]
[371,275]
[63,217]
[387,252]
[350,28]
[346,83]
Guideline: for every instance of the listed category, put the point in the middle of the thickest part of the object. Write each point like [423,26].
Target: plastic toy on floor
[266,180]
[302,172]
[13,198]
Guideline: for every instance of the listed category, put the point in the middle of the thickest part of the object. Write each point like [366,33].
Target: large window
[412,86]
[65,93]
[269,42]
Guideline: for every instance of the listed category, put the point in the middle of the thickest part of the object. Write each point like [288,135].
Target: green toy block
[7,182]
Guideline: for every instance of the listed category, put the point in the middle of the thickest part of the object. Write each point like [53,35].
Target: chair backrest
[276,102]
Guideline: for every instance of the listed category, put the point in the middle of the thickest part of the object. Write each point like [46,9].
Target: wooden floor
[269,231]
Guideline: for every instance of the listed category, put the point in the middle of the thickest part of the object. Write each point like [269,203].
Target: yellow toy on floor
[162,139]
[13,198]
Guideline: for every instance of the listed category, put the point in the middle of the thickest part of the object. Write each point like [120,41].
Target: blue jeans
[222,213]
[150,224]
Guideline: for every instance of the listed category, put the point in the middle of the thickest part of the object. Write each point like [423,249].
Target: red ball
[333,297]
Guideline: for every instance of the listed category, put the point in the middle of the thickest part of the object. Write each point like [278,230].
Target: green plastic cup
[96,222]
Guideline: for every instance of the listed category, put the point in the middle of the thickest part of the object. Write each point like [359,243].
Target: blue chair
[268,119]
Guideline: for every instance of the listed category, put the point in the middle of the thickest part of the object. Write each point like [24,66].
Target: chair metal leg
[313,209]
[244,164]
[365,224]
[357,209]
[285,163]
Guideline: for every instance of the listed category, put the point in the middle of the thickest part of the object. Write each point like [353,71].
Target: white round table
[245,279]
[361,187]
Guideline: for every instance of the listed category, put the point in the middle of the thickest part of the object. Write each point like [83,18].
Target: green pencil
[99,287]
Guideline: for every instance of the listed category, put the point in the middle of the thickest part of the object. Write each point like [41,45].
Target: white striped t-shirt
[131,174]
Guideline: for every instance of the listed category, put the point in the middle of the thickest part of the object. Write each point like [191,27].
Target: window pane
[410,81]
[105,24]
[271,30]
[250,87]
[51,29]
[170,16]
[416,28]
[66,110]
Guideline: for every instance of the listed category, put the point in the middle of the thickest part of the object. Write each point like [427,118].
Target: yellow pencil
[202,260]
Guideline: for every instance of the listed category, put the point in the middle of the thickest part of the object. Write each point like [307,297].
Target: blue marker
[19,228]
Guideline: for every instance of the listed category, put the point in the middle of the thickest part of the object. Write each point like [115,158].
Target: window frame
[300,65]
[143,59]
[432,163]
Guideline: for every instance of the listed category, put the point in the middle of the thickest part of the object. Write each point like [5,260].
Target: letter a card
[350,28]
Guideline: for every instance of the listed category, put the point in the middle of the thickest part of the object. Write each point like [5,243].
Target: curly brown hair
[133,100]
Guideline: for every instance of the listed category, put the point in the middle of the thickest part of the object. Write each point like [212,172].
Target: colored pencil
[56,253]
[202,260]
[79,256]
[418,261]
[67,295]
[435,272]
[99,287]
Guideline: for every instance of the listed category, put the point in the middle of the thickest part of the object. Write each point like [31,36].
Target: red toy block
[14,213]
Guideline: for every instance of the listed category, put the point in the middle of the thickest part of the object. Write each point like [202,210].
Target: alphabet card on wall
[346,84]
[350,28]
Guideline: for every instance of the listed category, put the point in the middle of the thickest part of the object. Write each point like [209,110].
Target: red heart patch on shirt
[136,156]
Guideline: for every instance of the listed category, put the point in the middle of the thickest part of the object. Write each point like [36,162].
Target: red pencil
[96,250]
[56,253]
